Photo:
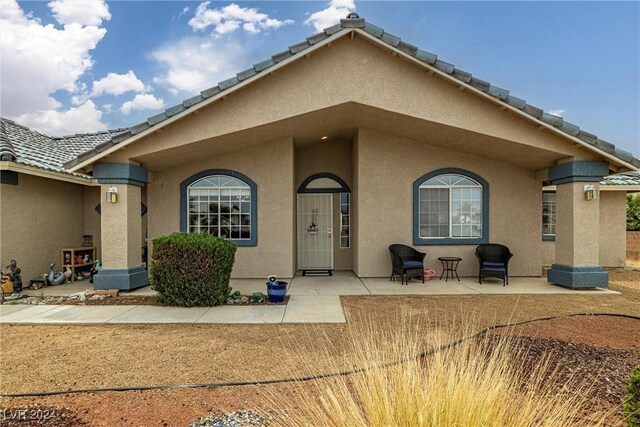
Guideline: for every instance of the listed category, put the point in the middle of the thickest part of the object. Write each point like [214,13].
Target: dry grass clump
[477,383]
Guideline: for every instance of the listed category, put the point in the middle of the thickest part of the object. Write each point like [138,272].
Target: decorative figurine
[12,273]
[86,259]
[94,270]
[67,272]
[55,277]
[87,240]
[67,258]
[78,259]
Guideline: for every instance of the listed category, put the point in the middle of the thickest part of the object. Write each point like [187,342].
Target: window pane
[434,212]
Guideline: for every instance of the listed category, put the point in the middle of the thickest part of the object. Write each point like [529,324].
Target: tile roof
[628,178]
[25,146]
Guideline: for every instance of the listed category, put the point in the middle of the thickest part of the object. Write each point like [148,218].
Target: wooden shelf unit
[77,268]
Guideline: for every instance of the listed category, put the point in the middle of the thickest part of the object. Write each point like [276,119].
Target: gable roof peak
[351,24]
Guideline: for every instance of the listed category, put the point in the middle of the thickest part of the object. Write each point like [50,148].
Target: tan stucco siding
[92,197]
[548,253]
[331,157]
[270,166]
[613,228]
[387,168]
[38,217]
[612,232]
[350,71]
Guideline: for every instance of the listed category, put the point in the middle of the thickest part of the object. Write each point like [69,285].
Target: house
[318,158]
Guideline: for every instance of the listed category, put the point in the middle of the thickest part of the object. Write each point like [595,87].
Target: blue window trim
[254,201]
[344,187]
[417,240]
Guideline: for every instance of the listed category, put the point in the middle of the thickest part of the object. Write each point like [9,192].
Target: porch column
[577,225]
[121,224]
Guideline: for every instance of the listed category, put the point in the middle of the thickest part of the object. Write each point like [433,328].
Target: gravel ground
[604,372]
[234,419]
[39,358]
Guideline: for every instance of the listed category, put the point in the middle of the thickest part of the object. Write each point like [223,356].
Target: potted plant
[276,289]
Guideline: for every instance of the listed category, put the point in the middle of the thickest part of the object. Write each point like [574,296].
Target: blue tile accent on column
[578,171]
[120,173]
[124,279]
[578,277]
[417,240]
[184,201]
[9,177]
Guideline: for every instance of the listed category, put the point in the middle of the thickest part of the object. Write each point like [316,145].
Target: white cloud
[184,11]
[117,84]
[107,108]
[335,10]
[83,119]
[193,64]
[558,112]
[229,18]
[83,12]
[38,60]
[142,101]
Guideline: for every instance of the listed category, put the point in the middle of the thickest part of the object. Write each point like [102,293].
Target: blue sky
[69,69]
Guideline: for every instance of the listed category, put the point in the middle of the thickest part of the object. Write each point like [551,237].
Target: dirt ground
[44,358]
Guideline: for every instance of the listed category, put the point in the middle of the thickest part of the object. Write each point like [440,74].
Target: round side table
[449,267]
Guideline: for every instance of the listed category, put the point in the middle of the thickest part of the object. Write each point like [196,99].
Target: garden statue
[13,272]
[67,272]
[55,277]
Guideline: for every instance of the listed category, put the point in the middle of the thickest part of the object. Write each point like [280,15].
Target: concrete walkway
[312,300]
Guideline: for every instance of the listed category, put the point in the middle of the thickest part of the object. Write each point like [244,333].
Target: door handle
[329,232]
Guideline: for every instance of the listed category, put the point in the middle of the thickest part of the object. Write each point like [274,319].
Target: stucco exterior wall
[612,232]
[271,167]
[38,217]
[387,168]
[331,157]
[548,253]
[613,228]
[92,217]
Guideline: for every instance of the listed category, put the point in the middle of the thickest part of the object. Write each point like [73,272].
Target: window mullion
[450,215]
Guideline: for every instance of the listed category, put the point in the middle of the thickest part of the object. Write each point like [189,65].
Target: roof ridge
[355,23]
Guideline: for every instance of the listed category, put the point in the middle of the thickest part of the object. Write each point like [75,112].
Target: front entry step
[317,273]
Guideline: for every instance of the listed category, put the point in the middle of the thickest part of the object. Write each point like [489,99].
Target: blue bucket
[276,291]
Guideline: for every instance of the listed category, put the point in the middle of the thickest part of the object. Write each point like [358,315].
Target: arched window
[451,207]
[221,203]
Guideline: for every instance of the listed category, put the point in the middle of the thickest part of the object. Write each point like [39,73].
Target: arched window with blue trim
[451,207]
[222,203]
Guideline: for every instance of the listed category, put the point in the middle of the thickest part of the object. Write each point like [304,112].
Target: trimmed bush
[191,269]
[631,402]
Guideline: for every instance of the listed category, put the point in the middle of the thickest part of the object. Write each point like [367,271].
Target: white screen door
[315,232]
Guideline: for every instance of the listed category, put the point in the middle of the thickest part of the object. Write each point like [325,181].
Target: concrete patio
[312,300]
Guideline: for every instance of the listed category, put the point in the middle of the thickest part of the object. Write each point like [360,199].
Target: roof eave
[447,71]
[88,161]
[46,173]
[498,101]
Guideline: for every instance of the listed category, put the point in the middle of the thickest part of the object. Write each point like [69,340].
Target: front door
[315,232]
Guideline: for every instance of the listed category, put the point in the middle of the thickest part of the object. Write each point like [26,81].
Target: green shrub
[633,212]
[192,269]
[631,402]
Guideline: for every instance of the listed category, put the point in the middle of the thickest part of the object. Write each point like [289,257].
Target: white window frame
[450,187]
[219,190]
[551,215]
[345,215]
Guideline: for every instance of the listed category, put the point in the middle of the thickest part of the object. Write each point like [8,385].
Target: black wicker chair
[494,262]
[406,260]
